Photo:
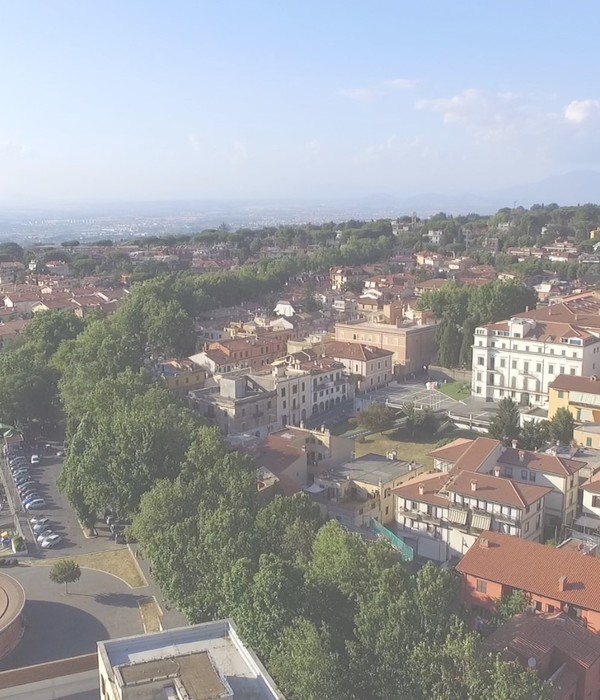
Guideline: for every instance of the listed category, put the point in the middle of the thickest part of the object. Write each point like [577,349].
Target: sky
[140,100]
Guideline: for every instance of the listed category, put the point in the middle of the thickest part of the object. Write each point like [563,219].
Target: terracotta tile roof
[526,636]
[535,568]
[432,484]
[355,351]
[592,486]
[477,452]
[541,462]
[568,382]
[277,453]
[496,489]
[581,309]
[452,451]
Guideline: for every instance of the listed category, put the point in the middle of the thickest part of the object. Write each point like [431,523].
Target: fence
[407,552]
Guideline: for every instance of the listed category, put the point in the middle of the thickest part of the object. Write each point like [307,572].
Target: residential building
[554,578]
[339,277]
[440,515]
[361,489]
[9,330]
[579,395]
[587,435]
[521,357]
[237,405]
[306,385]
[205,661]
[373,367]
[180,375]
[588,520]
[555,647]
[285,308]
[253,353]
[288,458]
[413,345]
[547,469]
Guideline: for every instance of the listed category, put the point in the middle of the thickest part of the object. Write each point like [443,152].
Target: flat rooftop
[208,661]
[373,468]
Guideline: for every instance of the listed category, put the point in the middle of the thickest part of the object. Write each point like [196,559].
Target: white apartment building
[520,357]
[441,515]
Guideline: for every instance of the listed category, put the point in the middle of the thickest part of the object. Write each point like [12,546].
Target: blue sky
[143,100]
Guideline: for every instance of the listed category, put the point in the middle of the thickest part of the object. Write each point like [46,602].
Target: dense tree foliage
[377,418]
[562,425]
[461,309]
[505,425]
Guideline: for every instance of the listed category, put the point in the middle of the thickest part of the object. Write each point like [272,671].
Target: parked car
[17,464]
[35,504]
[29,493]
[22,478]
[23,471]
[41,526]
[26,485]
[50,541]
[45,533]
[36,520]
[30,497]
[35,459]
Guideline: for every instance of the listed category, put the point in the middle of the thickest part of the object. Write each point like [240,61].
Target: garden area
[456,390]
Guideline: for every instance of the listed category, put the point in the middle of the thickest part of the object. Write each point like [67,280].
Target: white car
[44,534]
[35,504]
[41,526]
[39,519]
[35,459]
[50,541]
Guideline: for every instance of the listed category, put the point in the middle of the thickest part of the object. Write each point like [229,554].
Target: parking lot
[401,393]
[63,520]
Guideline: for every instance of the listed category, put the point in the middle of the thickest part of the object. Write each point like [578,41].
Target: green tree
[535,434]
[377,418]
[65,571]
[509,606]
[562,425]
[420,421]
[505,425]
[306,666]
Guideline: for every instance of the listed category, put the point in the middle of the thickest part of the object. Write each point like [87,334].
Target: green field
[456,390]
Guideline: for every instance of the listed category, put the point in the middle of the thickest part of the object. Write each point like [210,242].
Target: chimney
[521,456]
[421,489]
[484,542]
[496,470]
[514,444]
[562,583]
[473,485]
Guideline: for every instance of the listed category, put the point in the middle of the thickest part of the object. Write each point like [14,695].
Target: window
[526,367]
[478,376]
[523,473]
[538,367]
[550,608]
[561,394]
[285,404]
[503,363]
[295,389]
[481,586]
[283,391]
[571,371]
[508,472]
[595,501]
[531,476]
[514,364]
[588,442]
[527,527]
[480,361]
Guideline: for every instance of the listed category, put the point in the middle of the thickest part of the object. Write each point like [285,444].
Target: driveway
[58,626]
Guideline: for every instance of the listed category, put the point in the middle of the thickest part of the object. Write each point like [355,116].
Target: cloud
[581,111]
[369,94]
[11,148]
[396,149]
[401,83]
[239,154]
[195,141]
[359,94]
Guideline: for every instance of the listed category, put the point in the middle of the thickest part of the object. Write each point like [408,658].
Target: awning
[481,522]
[459,517]
[315,488]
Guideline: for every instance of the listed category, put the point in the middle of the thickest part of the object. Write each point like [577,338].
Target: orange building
[555,579]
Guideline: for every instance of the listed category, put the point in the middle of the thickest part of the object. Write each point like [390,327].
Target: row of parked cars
[28,491]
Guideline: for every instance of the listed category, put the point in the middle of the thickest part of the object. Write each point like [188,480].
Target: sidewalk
[171,617]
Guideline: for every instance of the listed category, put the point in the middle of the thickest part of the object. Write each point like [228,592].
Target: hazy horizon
[140,102]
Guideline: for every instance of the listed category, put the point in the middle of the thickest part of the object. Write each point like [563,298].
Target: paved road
[58,626]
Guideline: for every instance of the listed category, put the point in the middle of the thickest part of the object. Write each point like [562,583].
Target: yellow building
[580,395]
[181,376]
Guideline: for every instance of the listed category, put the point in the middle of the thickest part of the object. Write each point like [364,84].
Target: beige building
[206,661]
[237,405]
[579,395]
[361,490]
[372,366]
[413,345]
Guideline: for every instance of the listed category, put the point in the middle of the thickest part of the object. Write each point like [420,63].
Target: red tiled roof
[535,568]
[568,382]
[452,451]
[541,462]
[277,453]
[355,351]
[477,452]
[432,484]
[496,489]
[526,636]
[592,486]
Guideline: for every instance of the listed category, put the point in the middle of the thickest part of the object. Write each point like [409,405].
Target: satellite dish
[531,662]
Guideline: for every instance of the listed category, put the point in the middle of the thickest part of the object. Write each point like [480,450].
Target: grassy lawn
[407,447]
[119,562]
[345,429]
[456,390]
[151,615]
